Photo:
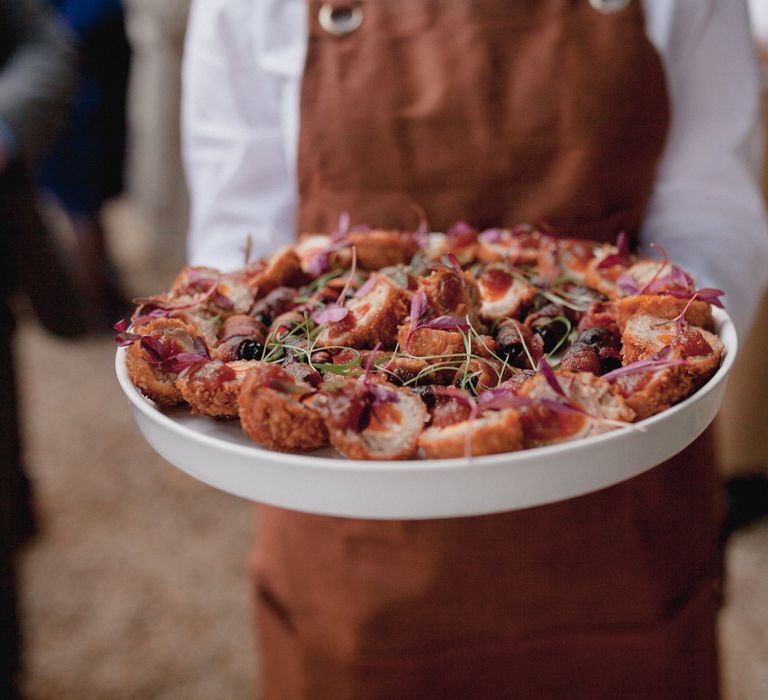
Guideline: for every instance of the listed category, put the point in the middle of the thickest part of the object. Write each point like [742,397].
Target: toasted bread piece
[502,294]
[371,319]
[152,373]
[273,415]
[490,433]
[212,388]
[664,306]
[363,426]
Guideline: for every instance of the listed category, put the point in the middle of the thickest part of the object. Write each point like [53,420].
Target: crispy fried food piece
[664,306]
[451,294]
[218,293]
[461,240]
[605,280]
[211,388]
[371,419]
[242,338]
[371,319]
[490,433]
[596,350]
[502,294]
[272,413]
[150,361]
[269,307]
[601,314]
[283,269]
[651,391]
[193,279]
[644,336]
[519,246]
[572,257]
[379,248]
[596,402]
[430,342]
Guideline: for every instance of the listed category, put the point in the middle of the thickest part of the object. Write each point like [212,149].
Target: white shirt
[240,117]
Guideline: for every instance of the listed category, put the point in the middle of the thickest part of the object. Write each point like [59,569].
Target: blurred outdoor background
[135,583]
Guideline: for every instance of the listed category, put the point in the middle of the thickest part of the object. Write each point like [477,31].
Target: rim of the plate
[725,331]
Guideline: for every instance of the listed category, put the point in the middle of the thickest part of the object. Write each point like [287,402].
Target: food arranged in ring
[401,345]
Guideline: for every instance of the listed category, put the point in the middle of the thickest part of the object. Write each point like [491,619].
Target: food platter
[323,482]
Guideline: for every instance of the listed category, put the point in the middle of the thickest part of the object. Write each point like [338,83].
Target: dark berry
[249,349]
[551,334]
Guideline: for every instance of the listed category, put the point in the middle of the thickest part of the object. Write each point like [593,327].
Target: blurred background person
[36,75]
[155,178]
[744,415]
[85,167]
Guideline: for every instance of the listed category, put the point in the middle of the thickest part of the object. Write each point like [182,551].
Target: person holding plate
[596,116]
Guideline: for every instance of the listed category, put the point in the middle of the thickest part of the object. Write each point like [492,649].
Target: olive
[249,349]
[608,364]
[263,317]
[551,334]
[596,335]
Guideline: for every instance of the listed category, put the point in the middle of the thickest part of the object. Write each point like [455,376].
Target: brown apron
[495,112]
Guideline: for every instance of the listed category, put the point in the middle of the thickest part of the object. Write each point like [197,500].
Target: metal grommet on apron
[340,20]
[608,6]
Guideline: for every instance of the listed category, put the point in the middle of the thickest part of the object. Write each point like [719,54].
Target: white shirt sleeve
[240,79]
[707,209]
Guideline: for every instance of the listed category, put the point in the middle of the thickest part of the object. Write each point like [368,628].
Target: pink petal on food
[459,229]
[330,314]
[628,285]
[367,287]
[640,366]
[549,374]
[491,235]
[445,323]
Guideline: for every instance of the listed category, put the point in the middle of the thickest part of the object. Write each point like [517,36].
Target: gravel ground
[137,585]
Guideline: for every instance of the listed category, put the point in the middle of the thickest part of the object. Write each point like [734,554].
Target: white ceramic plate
[221,455]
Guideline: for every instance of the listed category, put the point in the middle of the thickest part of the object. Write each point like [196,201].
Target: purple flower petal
[680,277]
[155,349]
[459,229]
[445,323]
[622,245]
[330,314]
[498,399]
[370,283]
[343,229]
[641,366]
[628,285]
[223,301]
[549,374]
[611,260]
[183,360]
[419,306]
[491,235]
[319,263]
[456,265]
[201,347]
